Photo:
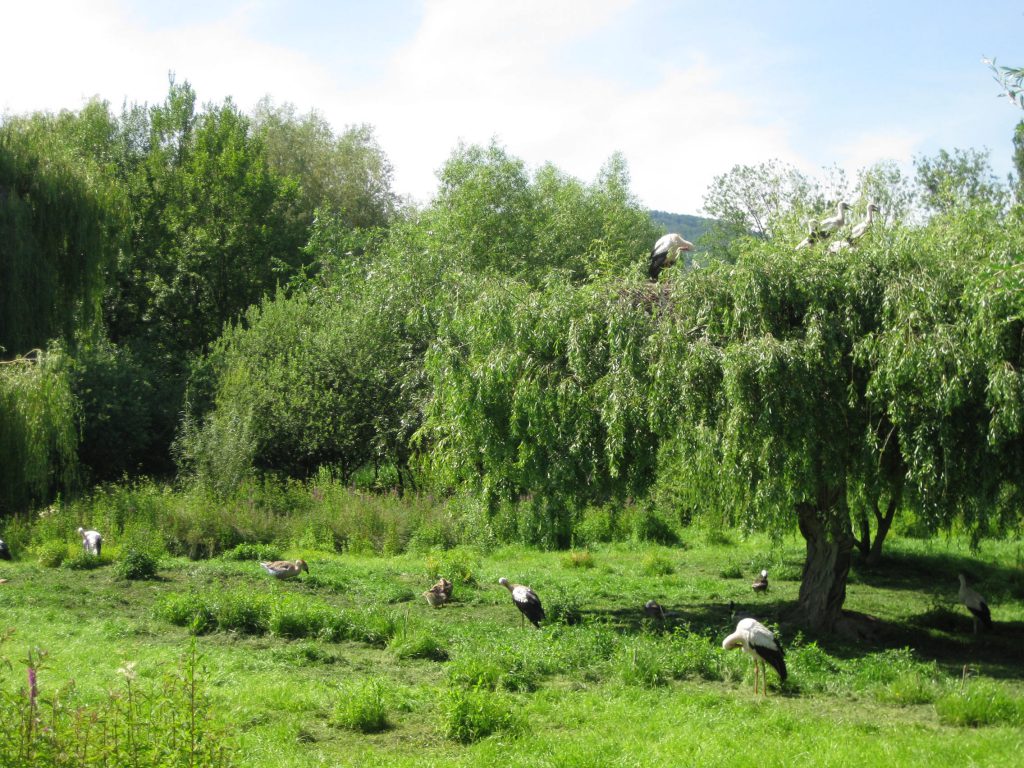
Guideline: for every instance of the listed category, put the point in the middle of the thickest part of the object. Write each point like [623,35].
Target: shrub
[248,551]
[80,561]
[51,554]
[470,715]
[656,565]
[578,559]
[980,703]
[648,525]
[363,709]
[187,609]
[643,662]
[417,645]
[137,566]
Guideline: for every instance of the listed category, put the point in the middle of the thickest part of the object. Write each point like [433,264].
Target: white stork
[526,601]
[861,229]
[92,541]
[826,227]
[285,569]
[665,252]
[761,582]
[5,553]
[758,642]
[975,604]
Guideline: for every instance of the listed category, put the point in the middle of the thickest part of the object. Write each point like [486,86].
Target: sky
[683,90]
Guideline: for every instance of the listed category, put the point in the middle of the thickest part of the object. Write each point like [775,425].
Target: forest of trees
[195,293]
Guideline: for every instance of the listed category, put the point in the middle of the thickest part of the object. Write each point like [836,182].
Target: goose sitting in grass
[285,569]
[436,596]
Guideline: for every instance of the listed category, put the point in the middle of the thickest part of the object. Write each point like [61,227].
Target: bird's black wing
[983,613]
[773,655]
[531,608]
[658,259]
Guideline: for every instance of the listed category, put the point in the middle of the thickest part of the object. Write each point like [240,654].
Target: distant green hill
[690,227]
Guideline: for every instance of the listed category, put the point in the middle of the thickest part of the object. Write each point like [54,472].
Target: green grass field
[348,665]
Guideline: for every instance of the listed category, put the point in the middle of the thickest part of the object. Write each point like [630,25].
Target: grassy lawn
[348,665]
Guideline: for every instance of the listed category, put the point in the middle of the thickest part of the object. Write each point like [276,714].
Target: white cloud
[473,70]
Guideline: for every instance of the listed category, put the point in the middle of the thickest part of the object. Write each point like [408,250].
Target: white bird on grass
[665,252]
[285,569]
[92,541]
[975,604]
[526,601]
[759,643]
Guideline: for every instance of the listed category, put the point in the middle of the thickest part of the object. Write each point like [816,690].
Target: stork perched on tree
[526,601]
[975,604]
[759,643]
[92,542]
[5,553]
[665,252]
[862,228]
[825,228]
[761,582]
[285,569]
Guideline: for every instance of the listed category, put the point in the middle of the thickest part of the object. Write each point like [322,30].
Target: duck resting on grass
[526,601]
[285,569]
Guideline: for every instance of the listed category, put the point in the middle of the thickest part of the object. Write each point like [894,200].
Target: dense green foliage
[244,301]
[58,231]
[38,436]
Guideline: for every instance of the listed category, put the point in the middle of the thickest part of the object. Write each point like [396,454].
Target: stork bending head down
[758,642]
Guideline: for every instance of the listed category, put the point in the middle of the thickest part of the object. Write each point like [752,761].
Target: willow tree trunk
[825,526]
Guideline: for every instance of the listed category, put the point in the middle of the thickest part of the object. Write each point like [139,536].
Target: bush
[248,551]
[980,703]
[417,645]
[656,565]
[51,554]
[137,566]
[470,715]
[363,709]
[578,559]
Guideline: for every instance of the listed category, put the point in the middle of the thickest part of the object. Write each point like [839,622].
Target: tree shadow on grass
[938,634]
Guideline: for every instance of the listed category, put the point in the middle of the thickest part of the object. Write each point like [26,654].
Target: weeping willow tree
[38,430]
[56,234]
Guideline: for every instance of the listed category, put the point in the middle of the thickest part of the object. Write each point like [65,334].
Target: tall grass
[169,724]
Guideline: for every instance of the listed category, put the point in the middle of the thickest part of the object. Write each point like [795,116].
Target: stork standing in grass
[665,252]
[285,569]
[761,582]
[759,643]
[92,542]
[825,228]
[975,604]
[526,601]
[5,553]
